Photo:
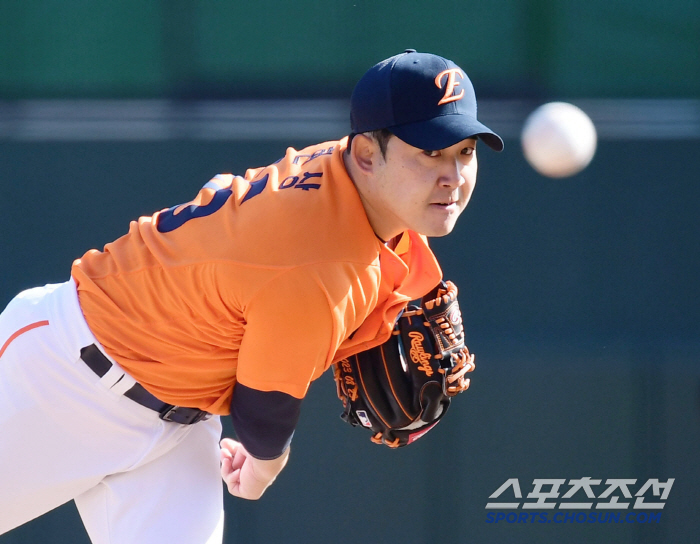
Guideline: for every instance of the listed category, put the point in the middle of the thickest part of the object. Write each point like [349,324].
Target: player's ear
[365,151]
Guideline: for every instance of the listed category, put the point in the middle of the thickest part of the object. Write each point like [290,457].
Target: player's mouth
[446,204]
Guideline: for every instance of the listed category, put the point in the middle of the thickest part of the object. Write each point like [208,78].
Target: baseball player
[112,384]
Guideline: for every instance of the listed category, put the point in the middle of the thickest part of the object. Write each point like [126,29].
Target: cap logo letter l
[452,82]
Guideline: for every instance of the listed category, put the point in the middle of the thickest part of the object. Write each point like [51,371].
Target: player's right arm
[264,421]
[246,476]
[286,344]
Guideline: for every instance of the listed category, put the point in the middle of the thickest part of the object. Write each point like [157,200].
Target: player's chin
[440,224]
[440,233]
[439,230]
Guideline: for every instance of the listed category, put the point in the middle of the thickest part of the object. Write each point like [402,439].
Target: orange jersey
[265,279]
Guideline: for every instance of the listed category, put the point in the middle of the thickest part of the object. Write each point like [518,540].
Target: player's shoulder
[292,169]
[310,175]
[312,156]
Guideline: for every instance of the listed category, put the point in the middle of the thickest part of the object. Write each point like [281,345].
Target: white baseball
[558,139]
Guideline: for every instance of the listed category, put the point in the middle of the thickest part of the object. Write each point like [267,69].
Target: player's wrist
[266,471]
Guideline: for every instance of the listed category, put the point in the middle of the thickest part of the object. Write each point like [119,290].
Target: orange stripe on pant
[20,332]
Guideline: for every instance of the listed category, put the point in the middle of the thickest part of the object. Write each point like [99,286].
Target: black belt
[100,365]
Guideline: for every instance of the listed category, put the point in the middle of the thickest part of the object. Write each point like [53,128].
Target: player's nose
[451,174]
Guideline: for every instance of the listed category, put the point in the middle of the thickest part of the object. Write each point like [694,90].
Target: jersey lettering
[300,182]
[299,158]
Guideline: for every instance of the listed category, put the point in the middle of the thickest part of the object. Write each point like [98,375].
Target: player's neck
[391,243]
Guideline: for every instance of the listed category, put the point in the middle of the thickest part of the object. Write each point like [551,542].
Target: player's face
[424,190]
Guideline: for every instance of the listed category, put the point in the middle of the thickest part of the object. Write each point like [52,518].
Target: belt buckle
[168,413]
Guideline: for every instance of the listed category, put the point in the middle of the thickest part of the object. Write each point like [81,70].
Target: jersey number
[169,220]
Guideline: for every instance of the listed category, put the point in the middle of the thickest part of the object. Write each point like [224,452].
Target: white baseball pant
[67,434]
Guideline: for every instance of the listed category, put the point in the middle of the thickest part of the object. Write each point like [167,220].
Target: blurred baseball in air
[558,139]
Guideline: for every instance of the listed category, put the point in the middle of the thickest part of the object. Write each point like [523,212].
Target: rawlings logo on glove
[418,354]
[402,388]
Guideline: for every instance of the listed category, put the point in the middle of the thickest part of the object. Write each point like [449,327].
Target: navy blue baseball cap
[425,100]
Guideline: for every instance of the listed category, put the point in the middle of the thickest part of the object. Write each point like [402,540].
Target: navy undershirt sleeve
[264,421]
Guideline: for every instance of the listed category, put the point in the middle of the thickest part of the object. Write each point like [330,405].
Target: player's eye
[468,151]
[431,153]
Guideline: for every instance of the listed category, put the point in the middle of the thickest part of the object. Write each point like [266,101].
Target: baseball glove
[402,388]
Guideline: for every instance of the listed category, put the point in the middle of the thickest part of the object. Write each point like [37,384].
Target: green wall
[185,48]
